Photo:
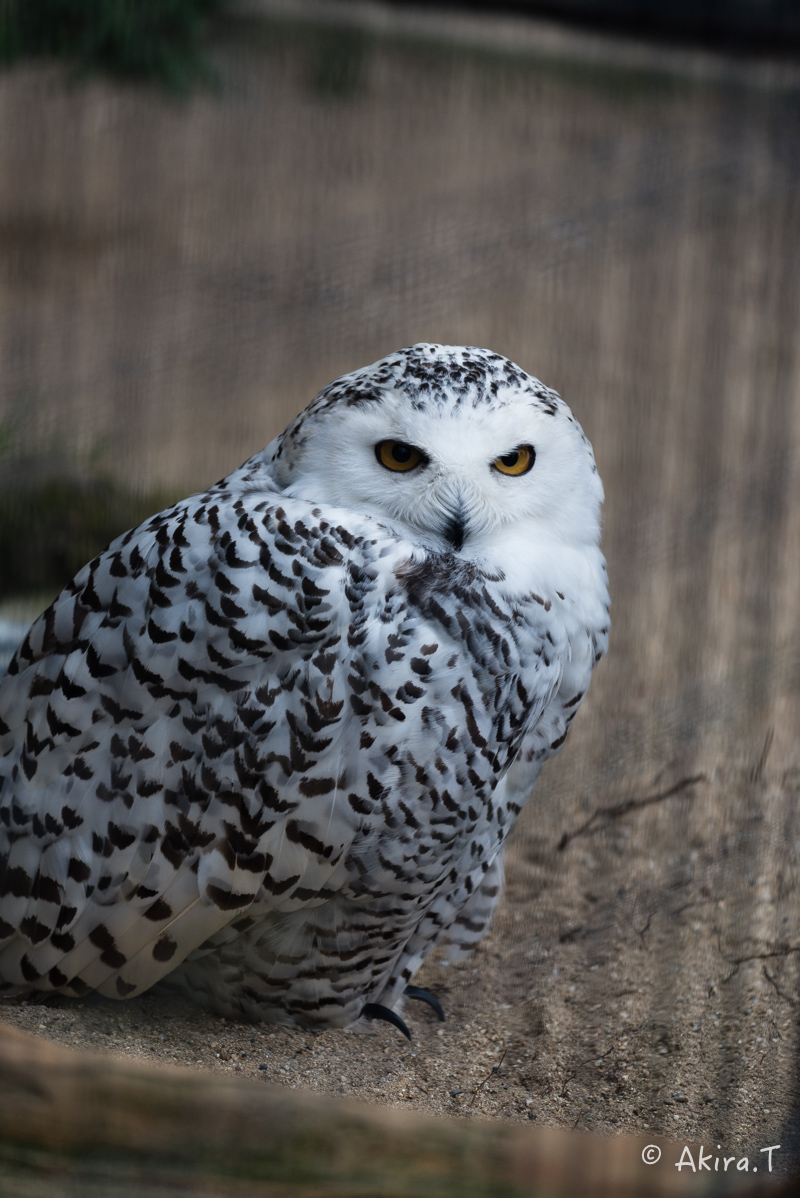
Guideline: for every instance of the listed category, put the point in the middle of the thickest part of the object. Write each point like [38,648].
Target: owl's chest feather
[448,682]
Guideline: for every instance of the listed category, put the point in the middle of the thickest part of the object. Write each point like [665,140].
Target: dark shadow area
[740,26]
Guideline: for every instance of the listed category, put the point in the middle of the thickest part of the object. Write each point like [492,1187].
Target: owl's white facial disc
[462,410]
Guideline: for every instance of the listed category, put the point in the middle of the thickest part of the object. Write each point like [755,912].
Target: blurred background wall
[178,277]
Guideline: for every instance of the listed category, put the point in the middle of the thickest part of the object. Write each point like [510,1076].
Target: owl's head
[455,448]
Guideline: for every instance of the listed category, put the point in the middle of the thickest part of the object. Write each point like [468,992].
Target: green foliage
[144,39]
[49,529]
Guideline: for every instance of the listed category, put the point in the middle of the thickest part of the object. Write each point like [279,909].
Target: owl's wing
[179,702]
[211,712]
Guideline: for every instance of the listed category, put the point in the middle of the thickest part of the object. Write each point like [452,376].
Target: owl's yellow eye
[519,461]
[398,456]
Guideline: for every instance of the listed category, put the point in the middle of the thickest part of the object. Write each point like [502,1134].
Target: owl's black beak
[455,530]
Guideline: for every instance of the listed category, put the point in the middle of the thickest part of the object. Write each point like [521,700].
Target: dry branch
[619,809]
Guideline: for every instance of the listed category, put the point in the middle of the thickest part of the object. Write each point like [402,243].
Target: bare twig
[758,769]
[706,902]
[785,950]
[597,1056]
[628,805]
[642,932]
[494,1069]
[781,993]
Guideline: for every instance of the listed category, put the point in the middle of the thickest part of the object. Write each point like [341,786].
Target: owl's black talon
[374,1010]
[426,996]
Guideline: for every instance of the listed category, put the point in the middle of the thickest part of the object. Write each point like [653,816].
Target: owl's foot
[374,1010]
[426,996]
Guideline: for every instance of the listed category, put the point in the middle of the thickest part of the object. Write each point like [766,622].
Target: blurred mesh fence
[178,279]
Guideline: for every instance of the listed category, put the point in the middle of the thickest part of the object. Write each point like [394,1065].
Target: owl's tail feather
[475,918]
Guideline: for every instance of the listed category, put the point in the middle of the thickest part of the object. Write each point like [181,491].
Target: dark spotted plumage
[271,742]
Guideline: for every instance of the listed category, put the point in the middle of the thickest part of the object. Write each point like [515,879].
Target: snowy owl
[272,741]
